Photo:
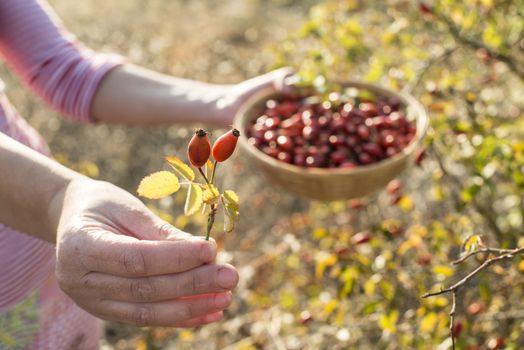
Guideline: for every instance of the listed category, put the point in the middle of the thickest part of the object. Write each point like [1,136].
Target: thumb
[274,80]
[154,228]
[145,225]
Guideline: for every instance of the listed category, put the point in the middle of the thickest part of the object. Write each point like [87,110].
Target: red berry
[285,143]
[496,343]
[361,238]
[424,8]
[476,308]
[199,148]
[225,145]
[393,186]
[424,259]
[457,329]
[420,154]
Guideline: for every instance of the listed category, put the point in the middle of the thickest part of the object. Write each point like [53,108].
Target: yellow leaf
[158,185]
[428,323]
[186,335]
[88,168]
[324,260]
[193,199]
[471,243]
[443,270]
[369,287]
[388,322]
[406,203]
[211,194]
[521,266]
[491,37]
[141,344]
[320,233]
[330,307]
[180,167]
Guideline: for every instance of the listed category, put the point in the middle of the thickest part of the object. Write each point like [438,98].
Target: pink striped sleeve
[50,60]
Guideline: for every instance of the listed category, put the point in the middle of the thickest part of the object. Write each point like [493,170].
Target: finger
[163,314]
[207,279]
[280,80]
[126,256]
[145,225]
[274,80]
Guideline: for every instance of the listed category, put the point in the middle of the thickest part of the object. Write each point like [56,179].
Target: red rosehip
[225,145]
[199,148]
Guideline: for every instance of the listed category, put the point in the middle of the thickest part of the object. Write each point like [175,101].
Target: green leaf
[193,200]
[158,185]
[181,168]
[230,217]
[231,198]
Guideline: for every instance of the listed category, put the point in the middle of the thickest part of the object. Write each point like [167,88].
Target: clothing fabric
[34,312]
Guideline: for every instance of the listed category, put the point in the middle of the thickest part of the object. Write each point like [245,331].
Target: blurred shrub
[465,61]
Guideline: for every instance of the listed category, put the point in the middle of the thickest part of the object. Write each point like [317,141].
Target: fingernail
[227,278]
[222,300]
[207,251]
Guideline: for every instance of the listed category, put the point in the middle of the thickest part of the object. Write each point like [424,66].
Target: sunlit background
[304,283]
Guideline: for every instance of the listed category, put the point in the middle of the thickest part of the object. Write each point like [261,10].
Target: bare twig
[504,254]
[430,63]
[452,318]
[485,213]
[508,255]
[480,251]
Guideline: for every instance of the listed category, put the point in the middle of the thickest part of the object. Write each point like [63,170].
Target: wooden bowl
[329,184]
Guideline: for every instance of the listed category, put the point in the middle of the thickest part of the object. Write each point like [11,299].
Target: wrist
[58,203]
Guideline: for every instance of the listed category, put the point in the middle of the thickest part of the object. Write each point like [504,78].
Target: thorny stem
[211,220]
[211,216]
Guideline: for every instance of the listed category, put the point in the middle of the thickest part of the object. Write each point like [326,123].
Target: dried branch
[484,213]
[480,251]
[430,63]
[504,254]
[508,255]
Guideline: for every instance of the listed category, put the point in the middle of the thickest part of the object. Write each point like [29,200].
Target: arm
[31,189]
[136,96]
[115,258]
[89,86]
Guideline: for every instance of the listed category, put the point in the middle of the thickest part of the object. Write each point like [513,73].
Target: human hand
[119,262]
[235,95]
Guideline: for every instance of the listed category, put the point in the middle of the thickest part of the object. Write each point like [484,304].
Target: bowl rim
[412,104]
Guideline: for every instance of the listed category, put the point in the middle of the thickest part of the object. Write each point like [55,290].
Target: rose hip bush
[368,262]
